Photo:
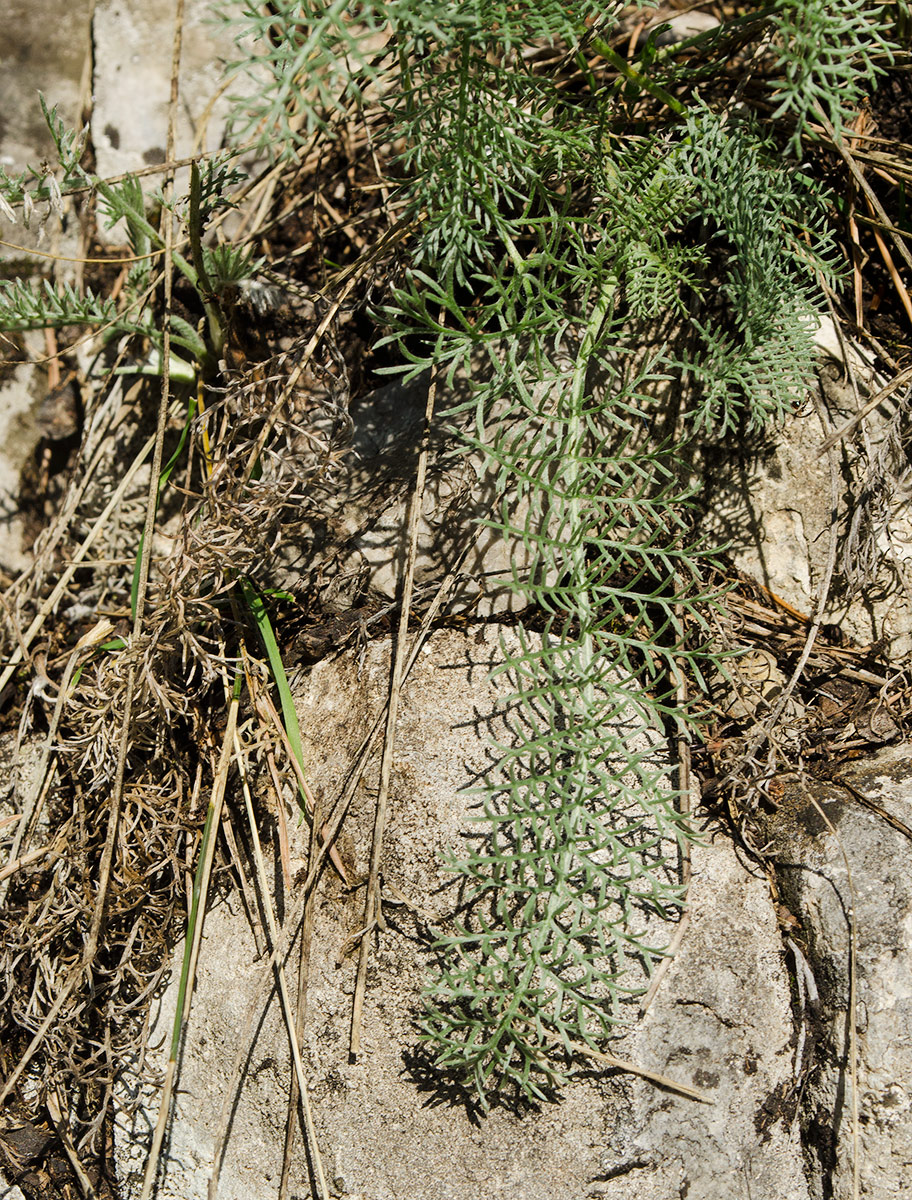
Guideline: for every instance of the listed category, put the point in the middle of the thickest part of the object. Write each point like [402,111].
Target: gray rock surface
[836,856]
[720,1021]
[39,52]
[132,86]
[133,50]
[20,400]
[681,26]
[773,504]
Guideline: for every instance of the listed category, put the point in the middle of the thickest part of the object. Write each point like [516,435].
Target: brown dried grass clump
[88,918]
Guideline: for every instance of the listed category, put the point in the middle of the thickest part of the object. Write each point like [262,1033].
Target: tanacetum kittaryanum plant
[564,206]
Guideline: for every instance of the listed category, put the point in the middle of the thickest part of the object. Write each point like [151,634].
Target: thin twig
[233,1081]
[292,381]
[287,935]
[145,560]
[874,807]
[340,809]
[300,1018]
[194,936]
[126,724]
[266,709]
[889,227]
[119,261]
[247,894]
[373,915]
[66,991]
[685,783]
[858,127]
[56,1106]
[287,1011]
[853,999]
[843,431]
[894,274]
[53,850]
[630,1068]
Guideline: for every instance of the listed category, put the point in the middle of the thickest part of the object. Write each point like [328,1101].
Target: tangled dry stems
[227,528]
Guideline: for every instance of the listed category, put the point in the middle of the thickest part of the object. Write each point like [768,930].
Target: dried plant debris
[880,531]
[848,700]
[290,421]
[577,198]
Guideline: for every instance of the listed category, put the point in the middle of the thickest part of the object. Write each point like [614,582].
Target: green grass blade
[256,605]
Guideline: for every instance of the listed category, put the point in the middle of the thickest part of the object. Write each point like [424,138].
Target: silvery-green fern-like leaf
[42,305]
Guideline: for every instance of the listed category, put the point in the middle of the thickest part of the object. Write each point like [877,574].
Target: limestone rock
[773,504]
[836,856]
[20,433]
[133,52]
[682,26]
[40,52]
[721,1020]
